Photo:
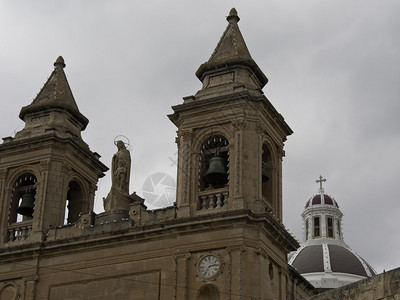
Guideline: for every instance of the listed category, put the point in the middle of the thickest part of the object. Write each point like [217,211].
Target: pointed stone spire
[230,51]
[54,98]
[55,93]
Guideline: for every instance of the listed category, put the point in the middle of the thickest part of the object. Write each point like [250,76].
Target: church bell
[216,174]
[26,206]
[264,176]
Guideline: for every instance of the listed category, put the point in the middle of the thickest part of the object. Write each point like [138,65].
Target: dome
[330,257]
[321,199]
[324,259]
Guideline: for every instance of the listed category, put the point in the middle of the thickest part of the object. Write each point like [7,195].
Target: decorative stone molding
[31,278]
[66,168]
[261,130]
[281,152]
[260,251]
[231,249]
[185,255]
[238,124]
[185,171]
[185,134]
[3,173]
[237,164]
[45,165]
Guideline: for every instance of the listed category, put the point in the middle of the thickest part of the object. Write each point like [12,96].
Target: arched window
[306,229]
[214,163]
[22,204]
[75,203]
[317,232]
[329,227]
[266,174]
[208,292]
[271,271]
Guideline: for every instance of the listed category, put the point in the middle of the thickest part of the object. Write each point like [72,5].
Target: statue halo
[125,140]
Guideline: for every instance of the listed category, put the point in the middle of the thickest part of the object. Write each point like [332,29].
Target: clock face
[209,265]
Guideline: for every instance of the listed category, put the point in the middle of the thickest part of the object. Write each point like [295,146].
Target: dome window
[306,229]
[317,232]
[329,227]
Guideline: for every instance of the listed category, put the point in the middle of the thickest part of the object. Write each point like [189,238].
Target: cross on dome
[320,180]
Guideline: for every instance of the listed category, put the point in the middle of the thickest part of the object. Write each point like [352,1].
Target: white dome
[324,259]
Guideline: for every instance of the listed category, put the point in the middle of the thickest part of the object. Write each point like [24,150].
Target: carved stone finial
[233,16]
[59,62]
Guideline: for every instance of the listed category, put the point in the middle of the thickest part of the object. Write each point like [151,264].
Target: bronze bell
[216,174]
[26,206]
[264,176]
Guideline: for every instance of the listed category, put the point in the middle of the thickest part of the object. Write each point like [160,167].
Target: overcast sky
[333,69]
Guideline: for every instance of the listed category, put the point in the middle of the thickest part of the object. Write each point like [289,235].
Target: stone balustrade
[19,231]
[213,199]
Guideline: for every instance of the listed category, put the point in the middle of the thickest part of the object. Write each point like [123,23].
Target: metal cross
[320,181]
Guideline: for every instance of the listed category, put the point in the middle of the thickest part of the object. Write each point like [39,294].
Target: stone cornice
[77,144]
[163,229]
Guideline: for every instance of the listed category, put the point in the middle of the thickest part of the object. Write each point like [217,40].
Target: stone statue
[118,198]
[121,168]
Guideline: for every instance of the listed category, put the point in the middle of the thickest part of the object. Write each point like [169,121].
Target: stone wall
[385,286]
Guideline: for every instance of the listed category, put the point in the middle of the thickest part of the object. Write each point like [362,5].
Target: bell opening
[22,198]
[214,163]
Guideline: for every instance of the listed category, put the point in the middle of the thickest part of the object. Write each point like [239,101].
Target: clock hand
[216,265]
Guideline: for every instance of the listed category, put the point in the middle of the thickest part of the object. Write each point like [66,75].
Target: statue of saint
[118,197]
[121,168]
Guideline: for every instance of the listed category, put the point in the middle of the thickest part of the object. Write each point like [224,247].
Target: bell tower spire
[47,171]
[53,109]
[230,137]
[231,51]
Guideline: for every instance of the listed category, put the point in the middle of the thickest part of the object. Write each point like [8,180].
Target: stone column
[30,287]
[181,275]
[236,272]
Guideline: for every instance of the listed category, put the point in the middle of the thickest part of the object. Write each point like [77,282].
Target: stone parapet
[384,286]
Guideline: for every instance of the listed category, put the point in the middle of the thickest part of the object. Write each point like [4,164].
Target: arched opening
[213,173]
[329,227]
[266,174]
[208,292]
[22,204]
[306,237]
[316,227]
[214,163]
[75,203]
[8,292]
[271,271]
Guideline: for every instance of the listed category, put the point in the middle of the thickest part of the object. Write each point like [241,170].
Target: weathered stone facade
[385,286]
[224,238]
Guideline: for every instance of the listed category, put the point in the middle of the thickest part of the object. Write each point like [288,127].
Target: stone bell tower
[48,174]
[230,137]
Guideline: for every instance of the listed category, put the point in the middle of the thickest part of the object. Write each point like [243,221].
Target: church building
[223,238]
